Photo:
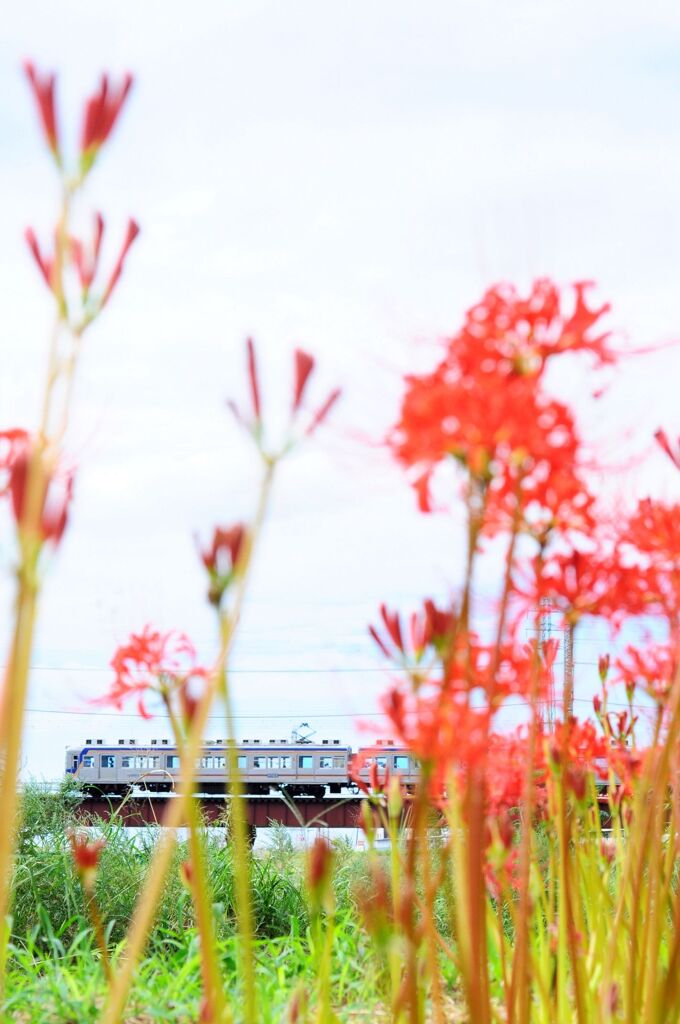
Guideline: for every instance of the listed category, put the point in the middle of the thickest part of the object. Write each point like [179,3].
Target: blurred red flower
[150,661]
[102,110]
[43,92]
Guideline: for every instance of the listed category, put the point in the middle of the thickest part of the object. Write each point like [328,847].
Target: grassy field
[55,973]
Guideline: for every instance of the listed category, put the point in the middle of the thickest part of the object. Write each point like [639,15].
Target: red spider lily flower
[55,492]
[130,235]
[85,260]
[433,627]
[304,365]
[364,771]
[43,92]
[101,113]
[578,583]
[86,854]
[673,453]
[652,670]
[578,743]
[221,559]
[13,443]
[483,407]
[650,540]
[150,662]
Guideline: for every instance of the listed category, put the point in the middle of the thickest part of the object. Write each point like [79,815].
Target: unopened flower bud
[395,798]
[86,856]
[319,869]
[186,874]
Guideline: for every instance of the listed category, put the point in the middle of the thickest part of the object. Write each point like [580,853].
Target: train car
[301,769]
[387,757]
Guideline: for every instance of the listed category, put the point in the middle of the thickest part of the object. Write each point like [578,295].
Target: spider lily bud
[86,856]
[186,874]
[603,666]
[319,871]
[297,1008]
[221,559]
[395,797]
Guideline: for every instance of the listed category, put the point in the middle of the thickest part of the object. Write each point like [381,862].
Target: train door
[107,767]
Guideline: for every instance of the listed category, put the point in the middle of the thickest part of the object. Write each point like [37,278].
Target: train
[296,768]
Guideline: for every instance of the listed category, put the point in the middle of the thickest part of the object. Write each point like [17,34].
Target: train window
[134,762]
[219,762]
[331,762]
[259,762]
[108,761]
[401,762]
[305,761]
[172,760]
[273,762]
[242,762]
[154,762]
[88,761]
[204,762]
[381,762]
[286,762]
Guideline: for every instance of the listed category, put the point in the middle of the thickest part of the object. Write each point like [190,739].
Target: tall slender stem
[147,903]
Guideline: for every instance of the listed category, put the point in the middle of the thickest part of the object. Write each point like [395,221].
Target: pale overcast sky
[348,178]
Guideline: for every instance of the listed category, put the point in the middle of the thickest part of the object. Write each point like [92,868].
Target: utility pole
[544,631]
[568,693]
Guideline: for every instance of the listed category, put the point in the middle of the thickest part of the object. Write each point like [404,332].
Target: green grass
[58,981]
[54,969]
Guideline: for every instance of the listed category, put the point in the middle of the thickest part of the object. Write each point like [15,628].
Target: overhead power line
[308,714]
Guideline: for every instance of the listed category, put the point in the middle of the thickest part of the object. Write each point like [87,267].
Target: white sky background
[348,178]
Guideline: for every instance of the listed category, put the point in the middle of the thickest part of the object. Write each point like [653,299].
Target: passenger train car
[301,769]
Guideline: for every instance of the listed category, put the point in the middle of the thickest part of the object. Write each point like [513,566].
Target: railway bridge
[141,810]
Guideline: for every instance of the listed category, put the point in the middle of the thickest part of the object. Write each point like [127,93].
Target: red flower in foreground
[101,113]
[304,366]
[54,488]
[575,743]
[433,627]
[84,259]
[150,661]
[483,406]
[652,670]
[43,92]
